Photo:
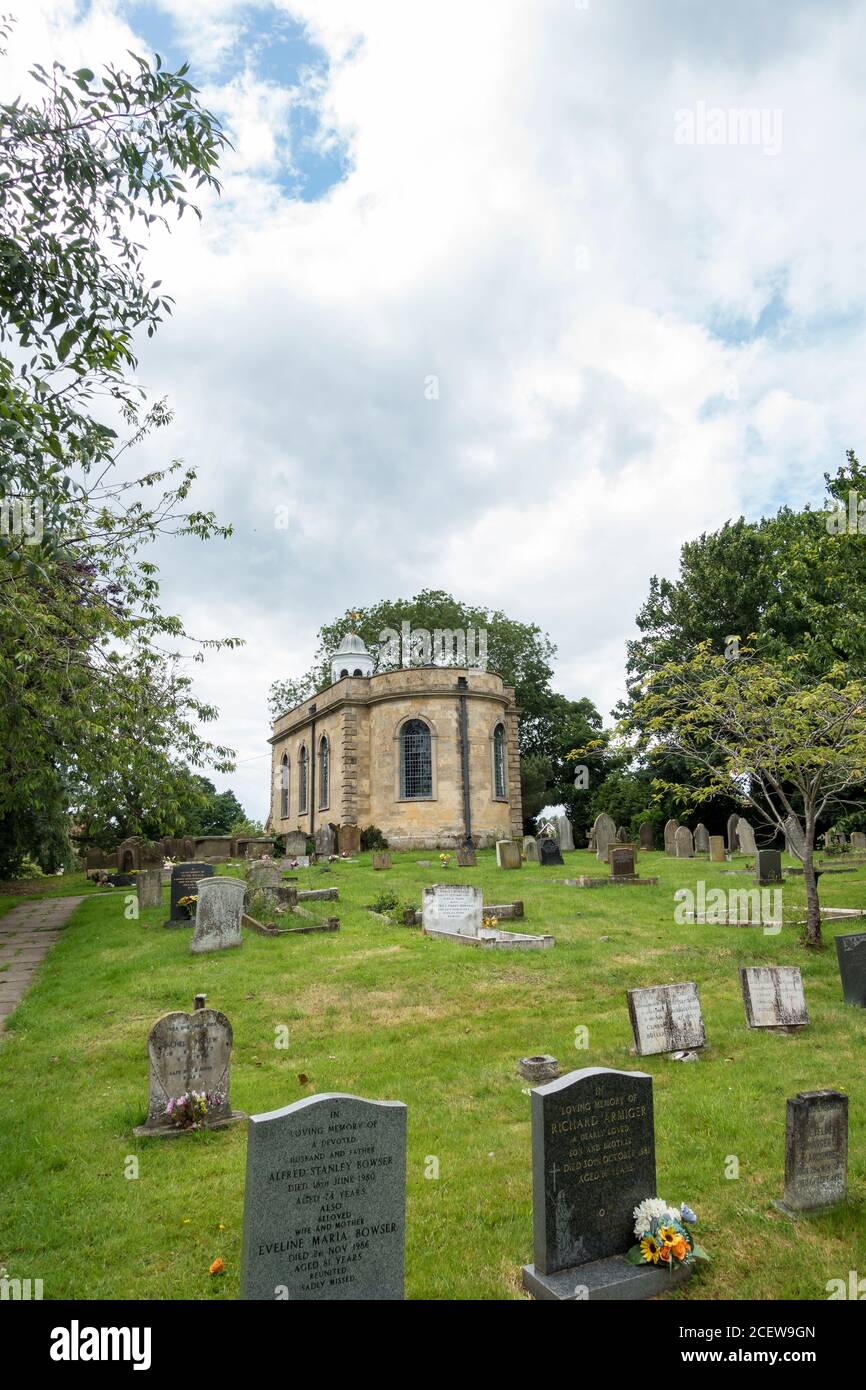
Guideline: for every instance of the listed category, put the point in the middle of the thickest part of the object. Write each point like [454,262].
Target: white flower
[649,1210]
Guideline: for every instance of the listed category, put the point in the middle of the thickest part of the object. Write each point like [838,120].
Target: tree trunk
[813,906]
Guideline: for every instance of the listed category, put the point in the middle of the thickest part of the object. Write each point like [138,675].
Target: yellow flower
[650,1249]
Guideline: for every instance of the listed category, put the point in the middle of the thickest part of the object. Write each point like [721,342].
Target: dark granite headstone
[325,1201]
[621,861]
[851,953]
[646,835]
[768,866]
[816,1152]
[549,853]
[184,878]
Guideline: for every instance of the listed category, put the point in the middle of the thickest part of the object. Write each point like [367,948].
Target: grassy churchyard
[379,1010]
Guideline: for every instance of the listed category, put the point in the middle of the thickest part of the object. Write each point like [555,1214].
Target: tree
[90,694]
[763,730]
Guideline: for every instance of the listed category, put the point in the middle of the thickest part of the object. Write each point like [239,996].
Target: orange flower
[217,1267]
[679,1249]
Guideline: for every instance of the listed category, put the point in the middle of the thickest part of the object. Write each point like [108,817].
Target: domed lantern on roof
[351,659]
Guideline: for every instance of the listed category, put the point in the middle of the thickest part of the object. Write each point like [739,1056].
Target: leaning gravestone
[189,1052]
[670,833]
[564,832]
[768,867]
[773,996]
[218,915]
[746,837]
[795,840]
[666,1018]
[148,884]
[646,835]
[684,845]
[603,834]
[593,1162]
[622,861]
[702,839]
[325,1201]
[507,854]
[733,842]
[717,849]
[452,907]
[549,854]
[185,879]
[530,849]
[816,1152]
[466,858]
[851,954]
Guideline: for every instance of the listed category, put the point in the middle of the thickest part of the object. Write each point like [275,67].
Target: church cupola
[352,658]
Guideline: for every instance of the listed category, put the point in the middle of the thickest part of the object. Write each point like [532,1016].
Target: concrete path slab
[27,934]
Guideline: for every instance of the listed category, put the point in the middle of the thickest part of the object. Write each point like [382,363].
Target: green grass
[381,1011]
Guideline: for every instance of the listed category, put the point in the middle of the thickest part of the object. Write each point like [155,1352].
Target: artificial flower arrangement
[664,1235]
[190,1110]
[445,860]
[489,923]
[187,904]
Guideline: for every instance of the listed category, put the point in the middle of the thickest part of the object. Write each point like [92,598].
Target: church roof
[351,645]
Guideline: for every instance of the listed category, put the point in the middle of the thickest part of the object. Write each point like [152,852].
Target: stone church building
[427,754]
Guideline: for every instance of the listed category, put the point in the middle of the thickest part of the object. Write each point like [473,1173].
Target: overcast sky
[643,314]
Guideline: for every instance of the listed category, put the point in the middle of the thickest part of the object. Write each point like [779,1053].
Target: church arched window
[302,781]
[416,763]
[343,673]
[284,787]
[499,762]
[324,773]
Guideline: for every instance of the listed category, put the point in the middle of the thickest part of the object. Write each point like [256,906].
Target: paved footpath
[27,934]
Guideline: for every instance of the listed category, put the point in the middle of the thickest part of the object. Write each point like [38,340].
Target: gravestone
[683,843]
[858,839]
[646,835]
[508,854]
[670,834]
[300,861]
[702,839]
[381,859]
[621,835]
[216,847]
[349,839]
[148,884]
[666,1018]
[452,907]
[746,837]
[325,1201]
[564,832]
[324,841]
[189,1052]
[773,996]
[549,855]
[593,1162]
[603,833]
[530,849]
[218,914]
[185,879]
[795,840]
[768,867]
[622,861]
[816,1152]
[717,849]
[296,843]
[264,875]
[733,842]
[851,954]
[466,857]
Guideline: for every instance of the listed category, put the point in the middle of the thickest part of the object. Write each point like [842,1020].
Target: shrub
[372,838]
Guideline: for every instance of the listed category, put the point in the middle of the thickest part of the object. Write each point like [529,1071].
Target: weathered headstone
[702,839]
[593,1162]
[296,843]
[717,849]
[851,954]
[452,907]
[508,854]
[218,914]
[858,839]
[381,859]
[564,832]
[148,884]
[189,1052]
[646,835]
[733,842]
[746,837]
[530,849]
[466,857]
[349,839]
[325,1201]
[816,1152]
[622,835]
[684,845]
[185,879]
[666,1018]
[263,875]
[670,833]
[622,861]
[773,996]
[603,832]
[549,855]
[324,841]
[795,840]
[768,867]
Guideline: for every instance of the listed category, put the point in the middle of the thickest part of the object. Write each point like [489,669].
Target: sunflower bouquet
[664,1235]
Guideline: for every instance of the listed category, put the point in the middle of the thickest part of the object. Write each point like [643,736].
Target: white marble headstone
[452,907]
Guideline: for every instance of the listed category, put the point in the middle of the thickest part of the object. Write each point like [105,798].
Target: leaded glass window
[499,761]
[323,773]
[302,782]
[416,763]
